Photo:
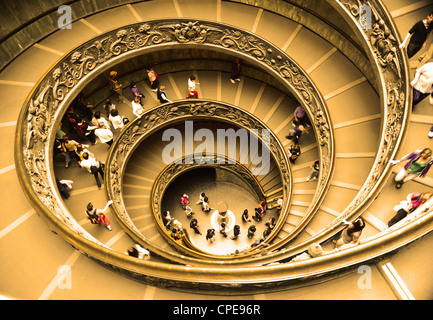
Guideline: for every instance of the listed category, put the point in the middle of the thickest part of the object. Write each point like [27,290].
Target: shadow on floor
[237,198]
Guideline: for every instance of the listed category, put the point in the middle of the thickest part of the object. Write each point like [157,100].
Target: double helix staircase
[353,100]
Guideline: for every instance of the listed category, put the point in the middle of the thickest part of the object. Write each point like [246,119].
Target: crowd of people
[300,124]
[176,229]
[416,163]
[86,134]
[84,125]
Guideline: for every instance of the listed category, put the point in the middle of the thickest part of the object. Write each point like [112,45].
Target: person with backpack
[194,225]
[97,216]
[210,235]
[94,167]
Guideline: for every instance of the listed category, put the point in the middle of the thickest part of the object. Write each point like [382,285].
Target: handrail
[273,192]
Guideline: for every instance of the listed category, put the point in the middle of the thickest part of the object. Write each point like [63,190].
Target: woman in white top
[191,87]
[137,108]
[97,119]
[422,83]
[104,134]
[116,119]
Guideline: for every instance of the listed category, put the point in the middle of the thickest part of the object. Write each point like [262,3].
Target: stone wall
[25,22]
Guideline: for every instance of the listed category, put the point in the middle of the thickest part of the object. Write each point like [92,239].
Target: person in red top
[184,201]
[81,128]
[235,70]
[96,216]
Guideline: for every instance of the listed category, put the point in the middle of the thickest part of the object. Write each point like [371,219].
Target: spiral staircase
[292,54]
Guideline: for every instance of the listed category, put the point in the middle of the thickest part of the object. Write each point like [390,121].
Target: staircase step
[353,169]
[364,102]
[243,17]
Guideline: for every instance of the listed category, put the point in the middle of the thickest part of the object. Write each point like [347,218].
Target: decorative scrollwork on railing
[237,40]
[192,161]
[379,34]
